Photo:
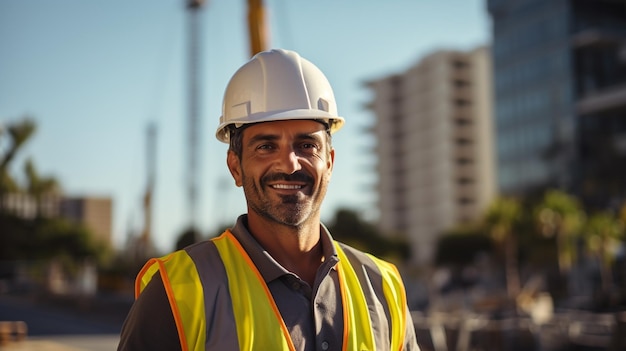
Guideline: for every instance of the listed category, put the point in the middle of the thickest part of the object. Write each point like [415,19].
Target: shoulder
[207,262]
[201,250]
[203,256]
[199,264]
[373,269]
[357,256]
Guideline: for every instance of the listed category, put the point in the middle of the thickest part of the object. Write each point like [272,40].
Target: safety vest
[258,320]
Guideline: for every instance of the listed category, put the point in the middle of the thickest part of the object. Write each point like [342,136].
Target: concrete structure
[95,213]
[434,146]
[560,97]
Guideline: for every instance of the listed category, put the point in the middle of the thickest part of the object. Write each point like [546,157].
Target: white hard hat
[277,85]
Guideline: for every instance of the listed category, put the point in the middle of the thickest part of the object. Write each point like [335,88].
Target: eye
[309,147]
[265,148]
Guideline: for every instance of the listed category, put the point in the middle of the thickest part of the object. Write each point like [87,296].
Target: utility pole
[194,109]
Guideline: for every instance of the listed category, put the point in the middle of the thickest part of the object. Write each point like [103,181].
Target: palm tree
[561,215]
[18,133]
[38,186]
[603,232]
[502,220]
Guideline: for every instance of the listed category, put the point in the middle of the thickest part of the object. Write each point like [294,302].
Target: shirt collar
[269,268]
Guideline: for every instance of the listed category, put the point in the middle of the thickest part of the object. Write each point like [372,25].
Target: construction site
[497,190]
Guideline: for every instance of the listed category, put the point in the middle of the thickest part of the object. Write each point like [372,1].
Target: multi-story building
[560,97]
[95,213]
[434,146]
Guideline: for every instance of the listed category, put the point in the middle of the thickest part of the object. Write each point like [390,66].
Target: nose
[288,161]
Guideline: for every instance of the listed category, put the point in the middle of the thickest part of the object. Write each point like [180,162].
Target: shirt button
[325,345]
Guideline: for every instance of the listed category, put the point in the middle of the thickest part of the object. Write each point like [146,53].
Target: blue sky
[93,74]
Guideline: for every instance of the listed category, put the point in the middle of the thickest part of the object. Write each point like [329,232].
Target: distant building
[560,97]
[26,206]
[95,213]
[434,145]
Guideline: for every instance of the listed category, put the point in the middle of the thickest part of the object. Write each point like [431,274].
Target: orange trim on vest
[168,290]
[172,301]
[139,278]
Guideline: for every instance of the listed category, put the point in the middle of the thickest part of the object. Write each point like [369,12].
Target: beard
[291,210]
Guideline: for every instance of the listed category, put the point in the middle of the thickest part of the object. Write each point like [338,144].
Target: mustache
[294,177]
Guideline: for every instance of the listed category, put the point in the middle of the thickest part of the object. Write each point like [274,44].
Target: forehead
[283,128]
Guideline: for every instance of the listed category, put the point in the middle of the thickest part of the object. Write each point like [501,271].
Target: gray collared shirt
[313,315]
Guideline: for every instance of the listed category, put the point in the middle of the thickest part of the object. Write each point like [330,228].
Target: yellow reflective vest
[259,323]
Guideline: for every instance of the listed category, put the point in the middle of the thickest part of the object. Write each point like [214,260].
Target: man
[276,280]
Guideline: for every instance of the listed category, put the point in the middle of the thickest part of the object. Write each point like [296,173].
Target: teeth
[285,186]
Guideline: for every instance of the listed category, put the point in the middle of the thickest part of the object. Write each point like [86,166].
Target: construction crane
[257,28]
[194,109]
[258,42]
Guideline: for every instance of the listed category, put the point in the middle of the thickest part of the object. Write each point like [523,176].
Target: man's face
[284,169]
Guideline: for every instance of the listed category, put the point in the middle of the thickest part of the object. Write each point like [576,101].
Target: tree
[19,133]
[44,239]
[349,228]
[460,245]
[60,237]
[560,215]
[602,236]
[39,240]
[188,237]
[38,186]
[502,221]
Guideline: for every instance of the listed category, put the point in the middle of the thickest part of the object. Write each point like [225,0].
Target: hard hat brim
[335,122]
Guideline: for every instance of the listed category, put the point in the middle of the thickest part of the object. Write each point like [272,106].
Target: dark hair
[236,137]
[235,143]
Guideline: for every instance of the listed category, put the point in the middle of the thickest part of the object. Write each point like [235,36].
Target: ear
[234,166]
[331,160]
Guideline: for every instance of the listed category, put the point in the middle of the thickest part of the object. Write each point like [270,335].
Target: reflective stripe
[184,293]
[258,320]
[357,326]
[393,288]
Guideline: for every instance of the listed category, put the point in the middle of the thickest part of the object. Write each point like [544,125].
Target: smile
[287,186]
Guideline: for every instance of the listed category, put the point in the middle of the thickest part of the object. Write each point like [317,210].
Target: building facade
[95,213]
[434,146]
[560,97]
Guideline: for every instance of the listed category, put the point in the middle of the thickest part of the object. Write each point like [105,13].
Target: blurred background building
[434,146]
[95,213]
[560,97]
[92,212]
[558,70]
[540,107]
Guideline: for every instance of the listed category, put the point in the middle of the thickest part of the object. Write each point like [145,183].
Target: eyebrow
[262,137]
[273,137]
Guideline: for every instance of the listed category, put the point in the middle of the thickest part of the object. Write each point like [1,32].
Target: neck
[297,248]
